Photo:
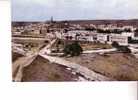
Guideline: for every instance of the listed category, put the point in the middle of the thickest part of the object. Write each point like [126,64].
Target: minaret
[51,19]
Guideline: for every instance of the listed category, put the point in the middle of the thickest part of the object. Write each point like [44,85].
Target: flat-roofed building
[128,34]
[102,38]
[120,39]
[80,35]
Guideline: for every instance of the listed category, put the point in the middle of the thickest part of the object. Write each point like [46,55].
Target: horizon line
[71,20]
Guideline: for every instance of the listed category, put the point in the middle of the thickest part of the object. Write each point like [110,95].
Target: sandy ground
[117,65]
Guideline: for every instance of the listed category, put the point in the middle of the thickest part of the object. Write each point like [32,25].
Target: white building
[36,32]
[16,33]
[122,40]
[80,35]
[90,38]
[85,38]
[58,35]
[128,34]
[102,38]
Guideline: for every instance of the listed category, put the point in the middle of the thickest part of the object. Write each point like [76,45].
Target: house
[102,38]
[120,39]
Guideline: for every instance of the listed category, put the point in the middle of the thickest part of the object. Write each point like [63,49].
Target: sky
[42,10]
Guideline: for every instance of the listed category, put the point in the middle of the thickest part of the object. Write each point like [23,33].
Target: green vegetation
[118,31]
[73,49]
[127,30]
[123,49]
[103,31]
[115,44]
[136,30]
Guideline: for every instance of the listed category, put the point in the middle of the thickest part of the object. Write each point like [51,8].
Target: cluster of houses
[31,29]
[90,36]
[123,38]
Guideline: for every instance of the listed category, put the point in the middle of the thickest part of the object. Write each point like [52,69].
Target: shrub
[124,49]
[115,44]
[73,49]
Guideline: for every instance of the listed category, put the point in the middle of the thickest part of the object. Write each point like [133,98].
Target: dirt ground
[93,46]
[116,65]
[42,70]
[85,46]
[15,56]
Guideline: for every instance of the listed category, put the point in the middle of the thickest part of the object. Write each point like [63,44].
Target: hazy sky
[42,10]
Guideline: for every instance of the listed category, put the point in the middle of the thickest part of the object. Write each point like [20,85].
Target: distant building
[128,34]
[79,35]
[51,19]
[36,32]
[16,33]
[102,38]
[122,40]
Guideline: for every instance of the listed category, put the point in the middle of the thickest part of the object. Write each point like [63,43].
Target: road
[29,39]
[89,74]
[84,71]
[100,51]
[18,50]
[19,64]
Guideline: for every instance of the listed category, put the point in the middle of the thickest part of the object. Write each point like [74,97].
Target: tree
[115,44]
[107,31]
[127,30]
[118,31]
[73,49]
[136,30]
[124,49]
[90,28]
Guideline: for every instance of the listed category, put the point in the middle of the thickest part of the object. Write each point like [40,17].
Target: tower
[51,19]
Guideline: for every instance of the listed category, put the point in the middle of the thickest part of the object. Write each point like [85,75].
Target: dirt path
[19,64]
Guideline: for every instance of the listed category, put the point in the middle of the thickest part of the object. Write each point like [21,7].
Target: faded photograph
[74,40]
